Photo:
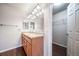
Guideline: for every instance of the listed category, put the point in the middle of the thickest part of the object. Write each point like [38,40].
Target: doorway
[60,29]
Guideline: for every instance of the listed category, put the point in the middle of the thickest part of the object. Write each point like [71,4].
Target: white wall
[48,30]
[60,28]
[10,34]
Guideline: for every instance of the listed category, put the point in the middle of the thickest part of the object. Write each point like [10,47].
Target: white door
[77,20]
[71,24]
[76,40]
[70,37]
[73,31]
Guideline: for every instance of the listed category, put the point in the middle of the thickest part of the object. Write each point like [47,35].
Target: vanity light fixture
[35,10]
[38,7]
[40,12]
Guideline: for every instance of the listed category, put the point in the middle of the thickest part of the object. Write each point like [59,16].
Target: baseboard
[60,44]
[9,49]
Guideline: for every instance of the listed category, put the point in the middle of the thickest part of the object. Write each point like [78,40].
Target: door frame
[48,17]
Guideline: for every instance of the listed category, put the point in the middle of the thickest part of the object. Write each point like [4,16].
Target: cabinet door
[76,47]
[37,46]
[25,46]
[29,49]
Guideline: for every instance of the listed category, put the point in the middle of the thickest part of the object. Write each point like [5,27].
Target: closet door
[71,18]
[70,33]
[73,30]
[76,40]
[76,48]
[77,20]
[71,23]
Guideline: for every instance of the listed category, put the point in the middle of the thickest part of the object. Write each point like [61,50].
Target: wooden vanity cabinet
[32,46]
[29,49]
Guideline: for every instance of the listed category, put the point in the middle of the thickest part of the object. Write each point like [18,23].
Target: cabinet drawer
[23,41]
[25,48]
[27,38]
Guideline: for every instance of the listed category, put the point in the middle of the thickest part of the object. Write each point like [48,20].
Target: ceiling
[59,8]
[27,8]
[24,7]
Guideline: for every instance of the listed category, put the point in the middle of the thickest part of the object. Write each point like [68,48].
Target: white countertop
[32,35]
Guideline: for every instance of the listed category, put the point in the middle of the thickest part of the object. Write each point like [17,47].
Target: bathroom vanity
[32,44]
